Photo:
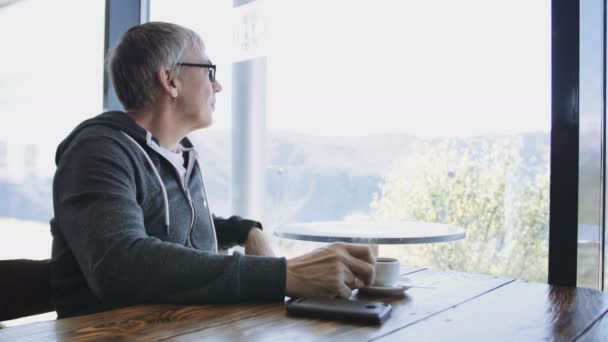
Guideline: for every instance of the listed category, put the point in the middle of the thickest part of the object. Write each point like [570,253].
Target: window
[3,155]
[51,80]
[418,111]
[396,110]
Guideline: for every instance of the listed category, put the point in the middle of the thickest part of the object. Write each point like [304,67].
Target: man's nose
[217,87]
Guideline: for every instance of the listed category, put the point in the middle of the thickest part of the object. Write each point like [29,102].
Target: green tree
[484,186]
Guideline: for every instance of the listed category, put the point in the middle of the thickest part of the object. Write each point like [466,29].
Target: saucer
[383,290]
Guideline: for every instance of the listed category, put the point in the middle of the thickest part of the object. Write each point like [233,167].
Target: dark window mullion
[563,220]
[120,16]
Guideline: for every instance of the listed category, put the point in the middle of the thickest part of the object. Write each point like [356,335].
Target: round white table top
[371,232]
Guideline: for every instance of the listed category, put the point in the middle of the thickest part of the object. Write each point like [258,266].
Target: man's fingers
[363,252]
[352,281]
[362,270]
[345,291]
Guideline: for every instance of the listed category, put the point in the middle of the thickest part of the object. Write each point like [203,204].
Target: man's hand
[258,244]
[333,271]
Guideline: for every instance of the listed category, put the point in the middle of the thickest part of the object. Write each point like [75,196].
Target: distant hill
[307,177]
[326,178]
[30,201]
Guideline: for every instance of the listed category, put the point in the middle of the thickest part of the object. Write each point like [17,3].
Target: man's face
[197,96]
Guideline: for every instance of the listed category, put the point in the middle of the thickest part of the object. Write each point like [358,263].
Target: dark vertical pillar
[563,220]
[120,16]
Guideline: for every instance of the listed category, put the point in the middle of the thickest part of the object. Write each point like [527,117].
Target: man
[132,224]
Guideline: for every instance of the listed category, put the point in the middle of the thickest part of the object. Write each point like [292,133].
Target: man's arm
[97,211]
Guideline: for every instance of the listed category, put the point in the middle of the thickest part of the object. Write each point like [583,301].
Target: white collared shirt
[176,158]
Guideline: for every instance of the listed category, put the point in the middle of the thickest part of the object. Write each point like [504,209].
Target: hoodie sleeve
[97,212]
[233,231]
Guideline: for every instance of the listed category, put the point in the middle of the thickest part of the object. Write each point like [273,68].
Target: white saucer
[383,291]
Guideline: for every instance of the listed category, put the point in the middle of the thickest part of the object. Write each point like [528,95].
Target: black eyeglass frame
[212,68]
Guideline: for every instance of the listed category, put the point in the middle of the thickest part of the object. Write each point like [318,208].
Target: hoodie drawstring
[160,182]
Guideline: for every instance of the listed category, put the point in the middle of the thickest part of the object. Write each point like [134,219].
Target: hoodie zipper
[205,203]
[186,191]
[193,210]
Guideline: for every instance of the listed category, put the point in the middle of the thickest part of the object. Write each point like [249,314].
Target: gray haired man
[132,223]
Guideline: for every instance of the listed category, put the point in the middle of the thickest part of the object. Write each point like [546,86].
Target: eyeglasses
[212,69]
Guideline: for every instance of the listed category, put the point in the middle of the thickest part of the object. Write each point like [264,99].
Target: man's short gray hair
[141,52]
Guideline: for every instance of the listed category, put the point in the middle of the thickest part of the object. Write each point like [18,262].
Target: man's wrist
[254,233]
[257,243]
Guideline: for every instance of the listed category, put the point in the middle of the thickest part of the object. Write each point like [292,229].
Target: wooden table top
[455,306]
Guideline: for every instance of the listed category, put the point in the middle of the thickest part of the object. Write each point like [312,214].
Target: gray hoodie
[128,230]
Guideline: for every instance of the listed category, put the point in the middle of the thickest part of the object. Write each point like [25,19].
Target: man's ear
[168,82]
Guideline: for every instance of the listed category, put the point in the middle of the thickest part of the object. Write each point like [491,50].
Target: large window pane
[51,78]
[382,110]
[425,111]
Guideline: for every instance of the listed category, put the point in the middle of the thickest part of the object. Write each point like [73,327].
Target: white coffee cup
[387,272]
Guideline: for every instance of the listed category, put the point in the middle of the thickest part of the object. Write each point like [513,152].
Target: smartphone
[340,309]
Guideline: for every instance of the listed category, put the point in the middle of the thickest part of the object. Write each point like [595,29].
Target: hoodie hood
[114,119]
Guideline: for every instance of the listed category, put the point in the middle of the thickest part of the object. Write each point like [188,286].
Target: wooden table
[456,307]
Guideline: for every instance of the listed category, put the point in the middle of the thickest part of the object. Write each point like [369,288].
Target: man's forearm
[156,271]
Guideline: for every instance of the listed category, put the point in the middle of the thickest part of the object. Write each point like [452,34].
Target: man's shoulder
[103,137]
[95,132]
[100,141]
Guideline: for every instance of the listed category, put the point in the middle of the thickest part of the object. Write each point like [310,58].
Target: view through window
[51,79]
[434,111]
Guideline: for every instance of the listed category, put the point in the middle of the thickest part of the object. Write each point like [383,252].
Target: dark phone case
[341,309]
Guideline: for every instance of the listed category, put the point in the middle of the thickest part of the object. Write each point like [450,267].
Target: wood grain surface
[452,306]
[598,332]
[449,289]
[518,311]
[137,323]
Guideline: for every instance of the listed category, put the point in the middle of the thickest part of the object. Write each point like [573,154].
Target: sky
[52,67]
[426,68]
